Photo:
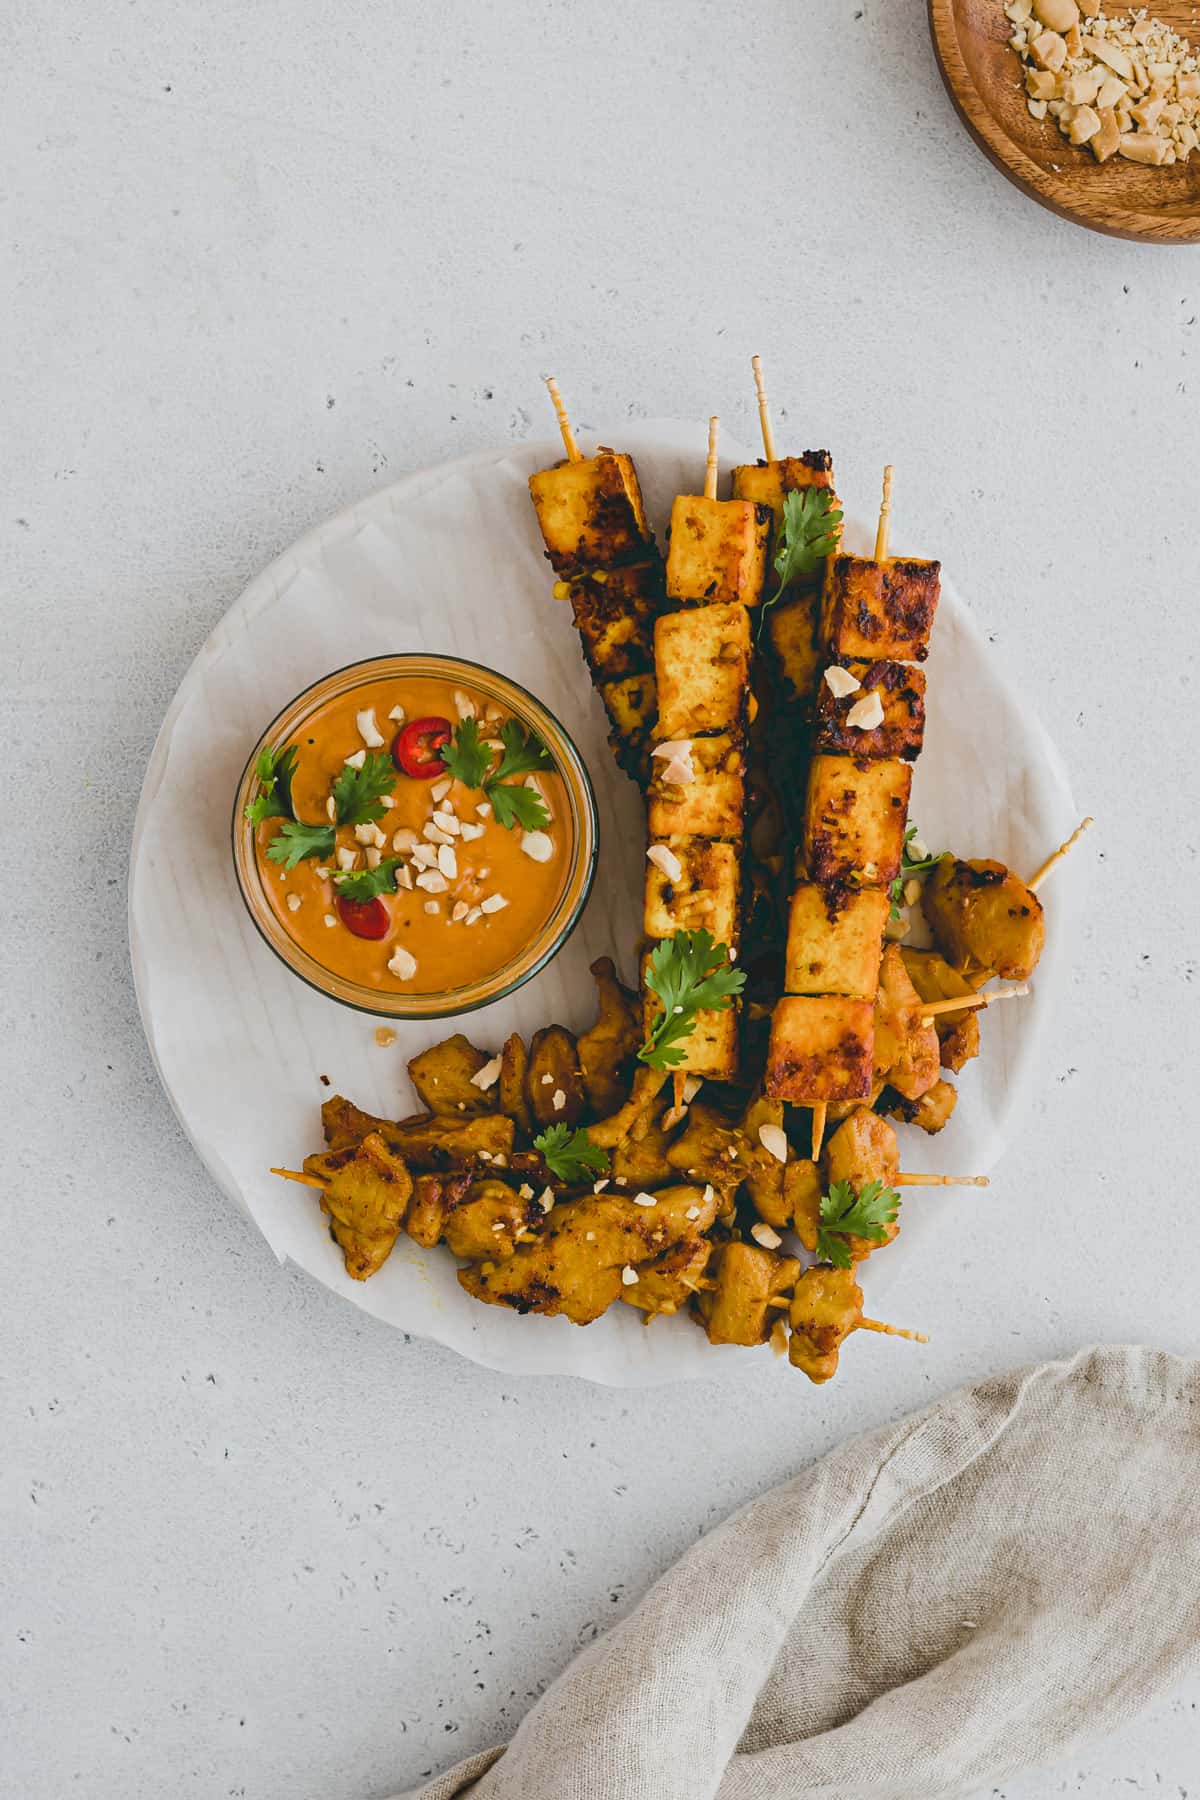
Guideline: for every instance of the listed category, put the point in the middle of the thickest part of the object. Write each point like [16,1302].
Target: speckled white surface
[261,259]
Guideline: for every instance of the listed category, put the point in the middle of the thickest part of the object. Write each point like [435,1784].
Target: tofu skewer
[875,614]
[715,571]
[600,545]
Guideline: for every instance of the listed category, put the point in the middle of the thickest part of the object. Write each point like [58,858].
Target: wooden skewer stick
[574,453]
[678,1084]
[971,1002]
[820,1112]
[916,1337]
[942,1181]
[710,467]
[883,530]
[312,1181]
[764,410]
[1052,862]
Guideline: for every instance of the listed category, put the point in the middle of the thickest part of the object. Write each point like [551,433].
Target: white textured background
[258,260]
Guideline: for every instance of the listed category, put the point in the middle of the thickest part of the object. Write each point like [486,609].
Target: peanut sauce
[449,953]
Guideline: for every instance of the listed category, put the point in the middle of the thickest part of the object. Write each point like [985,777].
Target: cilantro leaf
[911,865]
[294,841]
[524,751]
[367,884]
[571,1155]
[274,770]
[688,973]
[465,757]
[810,531]
[357,792]
[513,804]
[845,1214]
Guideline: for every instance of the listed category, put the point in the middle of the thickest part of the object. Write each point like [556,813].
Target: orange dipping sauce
[471,893]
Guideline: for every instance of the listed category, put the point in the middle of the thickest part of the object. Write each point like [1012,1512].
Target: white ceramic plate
[451,560]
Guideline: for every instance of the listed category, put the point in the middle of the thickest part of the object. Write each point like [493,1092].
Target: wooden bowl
[985,80]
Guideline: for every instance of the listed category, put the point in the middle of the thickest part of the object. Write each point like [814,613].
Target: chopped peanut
[1127,85]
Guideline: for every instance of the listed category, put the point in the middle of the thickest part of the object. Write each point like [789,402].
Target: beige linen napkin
[935,1606]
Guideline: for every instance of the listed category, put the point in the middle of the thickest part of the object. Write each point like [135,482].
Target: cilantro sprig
[911,865]
[294,841]
[358,793]
[368,884]
[845,1214]
[811,524]
[571,1155]
[689,973]
[469,760]
[274,769]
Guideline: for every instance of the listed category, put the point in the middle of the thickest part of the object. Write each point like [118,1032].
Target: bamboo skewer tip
[820,1112]
[908,1179]
[1053,861]
[313,1181]
[916,1337]
[574,454]
[883,531]
[764,410]
[710,466]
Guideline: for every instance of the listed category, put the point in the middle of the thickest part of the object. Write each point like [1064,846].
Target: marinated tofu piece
[826,1307]
[612,1041]
[614,613]
[442,1077]
[873,611]
[710,805]
[702,660]
[702,896]
[768,482]
[712,1048]
[748,1278]
[796,656]
[901,692]
[576,1266]
[835,940]
[982,916]
[820,1049]
[631,705]
[931,1112]
[855,819]
[554,1080]
[906,1049]
[591,513]
[365,1199]
[717,550]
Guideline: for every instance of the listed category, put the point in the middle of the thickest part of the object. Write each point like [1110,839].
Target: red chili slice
[415,750]
[365,918]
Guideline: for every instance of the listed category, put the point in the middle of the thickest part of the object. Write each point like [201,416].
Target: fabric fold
[933,1607]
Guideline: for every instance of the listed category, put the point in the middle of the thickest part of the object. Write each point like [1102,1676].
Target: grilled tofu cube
[703,898]
[854,820]
[702,660]
[614,615]
[718,550]
[630,705]
[820,1049]
[835,939]
[712,805]
[591,513]
[792,635]
[875,611]
[768,482]
[901,691]
[981,914]
[712,1048]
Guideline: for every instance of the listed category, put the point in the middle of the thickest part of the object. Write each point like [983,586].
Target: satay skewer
[883,530]
[320,1182]
[910,1180]
[574,453]
[764,410]
[710,465]
[916,1337]
[971,1002]
[820,1113]
[1053,861]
